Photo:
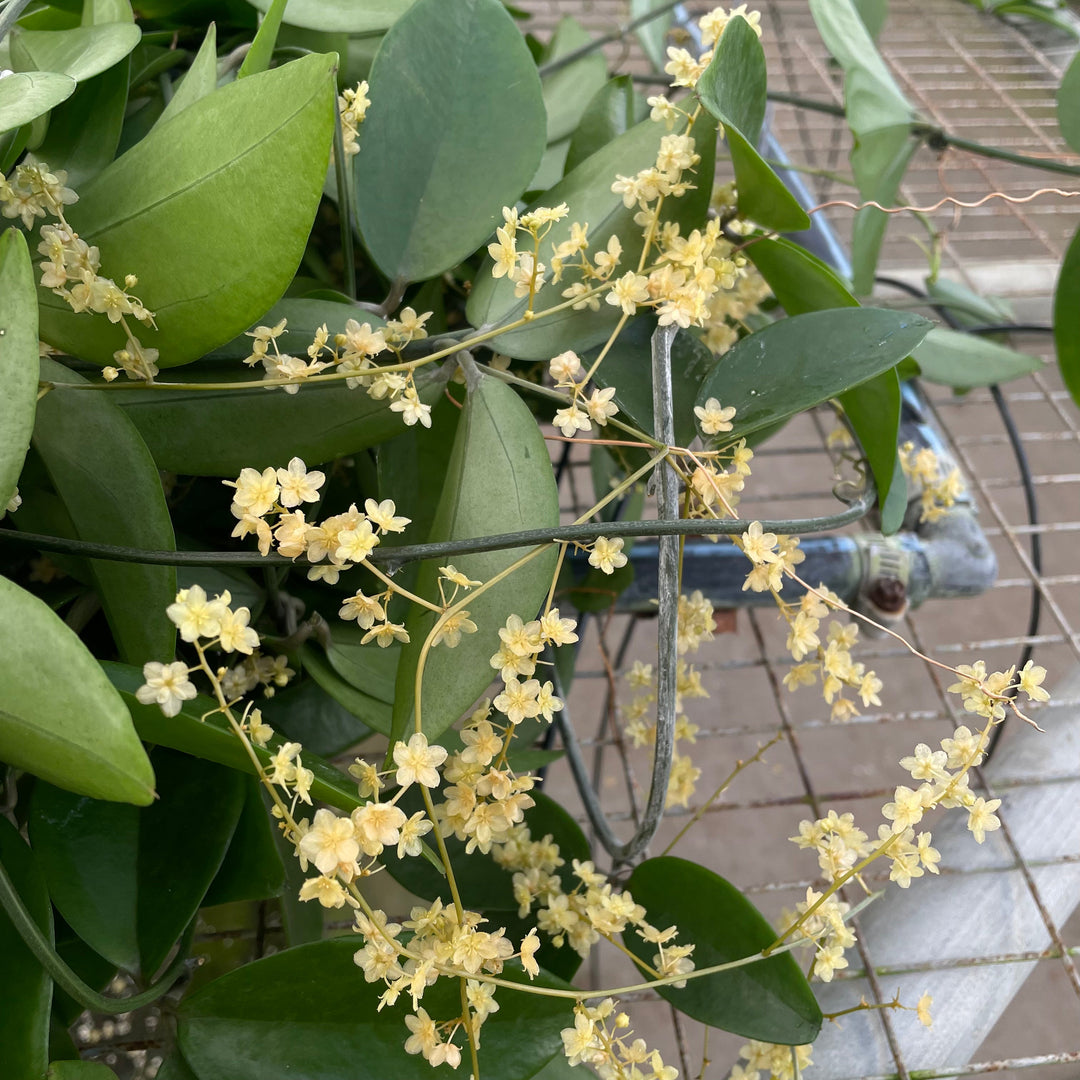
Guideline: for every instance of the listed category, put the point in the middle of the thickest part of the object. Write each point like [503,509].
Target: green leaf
[199,81]
[213,740]
[369,711]
[614,109]
[454,132]
[781,370]
[18,358]
[968,308]
[652,34]
[26,96]
[60,718]
[799,280]
[262,48]
[1066,326]
[953,358]
[129,881]
[343,16]
[110,485]
[880,119]
[874,411]
[587,192]
[895,148]
[482,883]
[80,53]
[567,91]
[252,868]
[769,1000]
[307,714]
[84,132]
[169,211]
[627,367]
[308,1011]
[412,471]
[80,1070]
[220,432]
[175,1068]
[893,508]
[26,992]
[1068,104]
[499,480]
[97,12]
[732,88]
[803,283]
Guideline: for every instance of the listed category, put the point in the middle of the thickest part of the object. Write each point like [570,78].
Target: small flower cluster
[342,540]
[713,490]
[591,910]
[938,489]
[484,800]
[683,67]
[772,1061]
[351,353]
[208,624]
[773,555]
[831,661]
[71,266]
[695,625]
[942,779]
[12,504]
[352,108]
[568,373]
[601,1039]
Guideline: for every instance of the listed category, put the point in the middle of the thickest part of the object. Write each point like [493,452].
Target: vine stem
[701,810]
[64,977]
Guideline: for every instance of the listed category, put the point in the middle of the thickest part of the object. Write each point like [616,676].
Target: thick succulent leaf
[199,80]
[343,16]
[18,358]
[28,95]
[627,367]
[953,358]
[111,487]
[879,117]
[60,717]
[732,88]
[455,131]
[803,283]
[193,731]
[1068,104]
[262,47]
[1066,323]
[252,868]
[482,883]
[127,880]
[499,480]
[614,109]
[178,210]
[769,1000]
[220,432]
[84,131]
[309,1011]
[652,34]
[567,90]
[80,53]
[367,710]
[26,991]
[587,192]
[780,370]
[80,1070]
[307,714]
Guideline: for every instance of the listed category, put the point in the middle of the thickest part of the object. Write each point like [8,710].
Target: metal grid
[976,77]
